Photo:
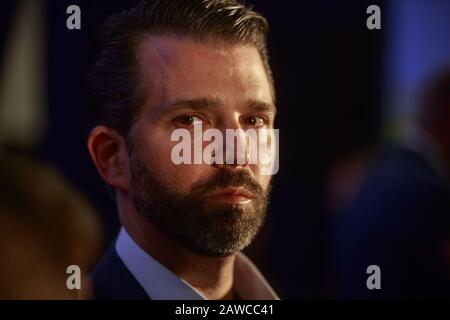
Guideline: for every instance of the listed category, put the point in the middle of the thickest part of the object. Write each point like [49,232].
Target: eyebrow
[196,103]
[262,106]
[208,103]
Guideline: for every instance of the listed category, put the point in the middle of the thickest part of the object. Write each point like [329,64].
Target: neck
[211,276]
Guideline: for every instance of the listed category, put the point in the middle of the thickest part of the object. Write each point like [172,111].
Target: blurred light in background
[417,47]
[22,80]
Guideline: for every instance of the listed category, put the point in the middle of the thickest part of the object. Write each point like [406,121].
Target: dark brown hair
[116,90]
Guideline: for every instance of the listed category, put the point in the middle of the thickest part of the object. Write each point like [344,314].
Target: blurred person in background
[399,218]
[45,226]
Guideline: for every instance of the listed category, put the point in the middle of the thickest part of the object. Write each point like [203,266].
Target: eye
[188,120]
[255,121]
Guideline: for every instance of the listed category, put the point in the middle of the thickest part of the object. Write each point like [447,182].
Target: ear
[108,151]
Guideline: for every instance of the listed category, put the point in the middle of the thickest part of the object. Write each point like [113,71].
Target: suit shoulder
[111,280]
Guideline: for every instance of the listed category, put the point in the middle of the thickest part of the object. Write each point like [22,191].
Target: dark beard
[217,230]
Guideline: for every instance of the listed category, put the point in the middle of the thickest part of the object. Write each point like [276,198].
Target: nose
[235,146]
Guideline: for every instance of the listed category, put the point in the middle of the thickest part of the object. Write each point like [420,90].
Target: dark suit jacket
[400,221]
[113,281]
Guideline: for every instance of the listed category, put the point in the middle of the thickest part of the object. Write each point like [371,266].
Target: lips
[233,195]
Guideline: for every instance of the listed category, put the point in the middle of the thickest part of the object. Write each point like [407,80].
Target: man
[163,66]
[400,218]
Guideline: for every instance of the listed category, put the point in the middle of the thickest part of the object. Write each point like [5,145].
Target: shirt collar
[161,284]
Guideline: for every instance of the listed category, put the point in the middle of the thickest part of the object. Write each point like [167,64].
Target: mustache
[227,179]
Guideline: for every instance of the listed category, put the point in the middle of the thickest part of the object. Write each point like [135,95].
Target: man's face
[215,210]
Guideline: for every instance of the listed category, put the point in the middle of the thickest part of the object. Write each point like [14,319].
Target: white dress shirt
[161,284]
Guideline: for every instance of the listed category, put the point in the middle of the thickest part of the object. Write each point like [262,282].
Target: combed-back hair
[116,90]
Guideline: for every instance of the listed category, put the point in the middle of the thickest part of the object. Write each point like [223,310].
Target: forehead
[182,68]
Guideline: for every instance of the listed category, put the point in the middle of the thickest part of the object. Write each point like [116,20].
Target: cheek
[159,153]
[265,181]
